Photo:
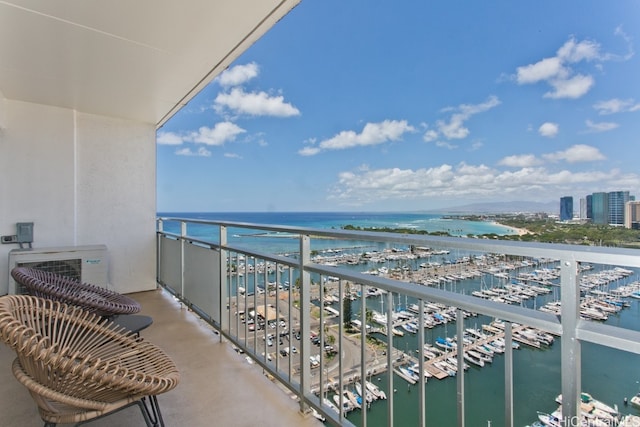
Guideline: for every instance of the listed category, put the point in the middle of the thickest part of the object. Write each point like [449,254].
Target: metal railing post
[305,316]
[508,375]
[570,354]
[183,243]
[421,392]
[390,358]
[159,229]
[363,352]
[225,270]
[460,375]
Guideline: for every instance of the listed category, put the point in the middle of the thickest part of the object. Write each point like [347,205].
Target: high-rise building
[583,208]
[589,207]
[566,208]
[632,214]
[600,208]
[617,200]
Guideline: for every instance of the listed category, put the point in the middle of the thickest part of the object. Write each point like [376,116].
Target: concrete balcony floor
[217,386]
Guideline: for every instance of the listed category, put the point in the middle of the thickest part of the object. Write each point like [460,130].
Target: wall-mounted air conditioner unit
[89,264]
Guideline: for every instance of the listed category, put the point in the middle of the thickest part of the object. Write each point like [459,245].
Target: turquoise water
[272,242]
[419,221]
[609,375]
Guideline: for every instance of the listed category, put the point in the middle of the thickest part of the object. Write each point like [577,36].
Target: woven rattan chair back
[95,299]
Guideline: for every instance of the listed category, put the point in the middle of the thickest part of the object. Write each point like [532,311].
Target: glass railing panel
[202,280]
[170,263]
[235,271]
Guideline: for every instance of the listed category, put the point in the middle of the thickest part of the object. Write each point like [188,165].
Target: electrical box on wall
[24,232]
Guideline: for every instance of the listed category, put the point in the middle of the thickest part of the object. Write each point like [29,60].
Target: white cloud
[309,151]
[372,134]
[630,51]
[464,181]
[549,129]
[218,135]
[447,145]
[238,74]
[476,145]
[616,105]
[232,155]
[169,138]
[600,127]
[200,152]
[558,73]
[254,104]
[576,154]
[541,70]
[572,88]
[520,161]
[573,51]
[454,128]
[222,132]
[430,135]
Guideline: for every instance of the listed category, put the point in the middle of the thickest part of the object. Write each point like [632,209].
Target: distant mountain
[505,207]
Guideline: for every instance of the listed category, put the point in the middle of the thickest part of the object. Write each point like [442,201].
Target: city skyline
[604,208]
[411,107]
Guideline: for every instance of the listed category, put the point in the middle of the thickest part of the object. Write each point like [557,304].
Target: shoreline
[515,230]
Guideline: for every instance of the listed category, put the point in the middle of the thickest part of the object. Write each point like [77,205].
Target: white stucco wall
[83,180]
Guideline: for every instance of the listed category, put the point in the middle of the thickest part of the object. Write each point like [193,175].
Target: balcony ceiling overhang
[141,60]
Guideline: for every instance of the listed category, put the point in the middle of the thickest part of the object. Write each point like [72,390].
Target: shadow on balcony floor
[217,387]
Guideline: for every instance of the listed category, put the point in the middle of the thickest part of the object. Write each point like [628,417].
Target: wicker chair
[79,366]
[92,298]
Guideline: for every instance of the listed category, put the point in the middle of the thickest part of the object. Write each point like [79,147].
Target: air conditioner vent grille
[69,268]
[87,264]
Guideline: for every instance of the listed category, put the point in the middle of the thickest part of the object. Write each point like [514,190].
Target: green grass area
[547,230]
[541,230]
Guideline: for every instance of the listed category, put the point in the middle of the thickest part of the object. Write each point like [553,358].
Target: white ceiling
[135,59]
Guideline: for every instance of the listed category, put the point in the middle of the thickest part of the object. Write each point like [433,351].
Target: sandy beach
[515,230]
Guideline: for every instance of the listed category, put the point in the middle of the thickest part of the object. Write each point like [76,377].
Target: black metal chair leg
[151,412]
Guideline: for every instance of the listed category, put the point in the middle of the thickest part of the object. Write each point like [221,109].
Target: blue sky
[409,105]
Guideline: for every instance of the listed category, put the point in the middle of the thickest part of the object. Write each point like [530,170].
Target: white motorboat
[375,390]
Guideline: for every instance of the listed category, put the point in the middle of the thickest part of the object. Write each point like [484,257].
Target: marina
[606,292]
[532,283]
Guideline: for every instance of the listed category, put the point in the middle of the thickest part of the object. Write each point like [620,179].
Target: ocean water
[274,242]
[418,221]
[609,375]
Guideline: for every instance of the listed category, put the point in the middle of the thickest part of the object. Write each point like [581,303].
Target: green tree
[347,309]
[368,315]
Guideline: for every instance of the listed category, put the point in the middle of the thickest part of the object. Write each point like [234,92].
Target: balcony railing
[321,311]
